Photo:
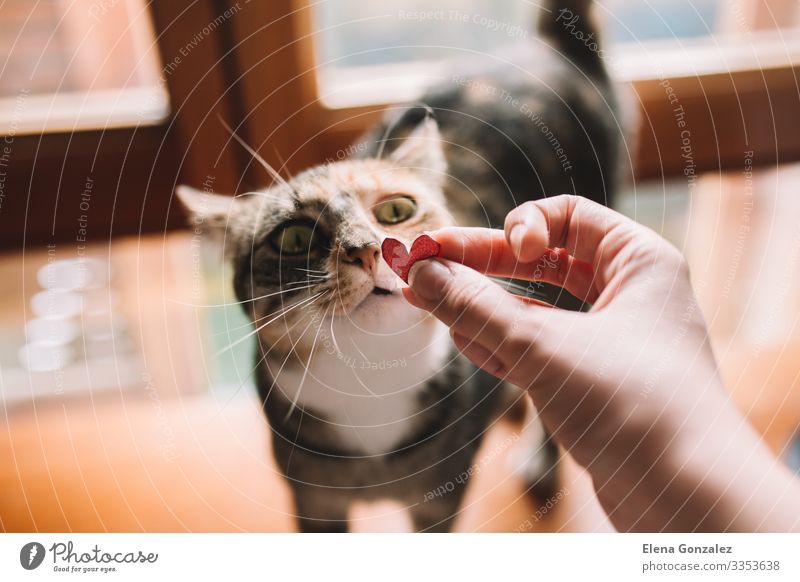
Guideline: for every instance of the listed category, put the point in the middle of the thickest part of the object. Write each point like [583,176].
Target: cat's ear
[422,151]
[208,211]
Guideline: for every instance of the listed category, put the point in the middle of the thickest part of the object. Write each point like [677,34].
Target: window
[122,94]
[729,60]
[77,65]
[352,33]
[354,38]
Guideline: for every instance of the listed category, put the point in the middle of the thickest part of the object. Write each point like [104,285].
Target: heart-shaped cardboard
[401,261]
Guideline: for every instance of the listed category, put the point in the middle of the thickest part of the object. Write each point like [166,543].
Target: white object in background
[51,330]
[73,274]
[56,303]
[45,357]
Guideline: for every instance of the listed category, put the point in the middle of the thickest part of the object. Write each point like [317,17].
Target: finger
[483,249]
[479,355]
[570,222]
[590,232]
[527,232]
[466,301]
[487,250]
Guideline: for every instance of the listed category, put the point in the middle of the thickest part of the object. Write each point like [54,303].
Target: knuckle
[518,213]
[528,206]
[465,295]
[671,258]
[520,342]
[681,265]
[586,209]
[679,260]
[524,333]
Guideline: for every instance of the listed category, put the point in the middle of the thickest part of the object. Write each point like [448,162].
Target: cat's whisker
[280,158]
[260,361]
[285,311]
[319,294]
[270,170]
[352,424]
[306,367]
[311,270]
[228,330]
[333,335]
[250,323]
[278,316]
[292,287]
[262,194]
[286,359]
[283,364]
[310,277]
[360,353]
[364,386]
[312,282]
[275,382]
[274,293]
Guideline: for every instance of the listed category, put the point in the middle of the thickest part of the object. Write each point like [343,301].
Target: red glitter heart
[401,261]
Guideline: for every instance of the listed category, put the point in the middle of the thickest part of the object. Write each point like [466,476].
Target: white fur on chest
[369,387]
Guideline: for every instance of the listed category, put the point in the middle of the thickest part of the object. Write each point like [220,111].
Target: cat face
[308,250]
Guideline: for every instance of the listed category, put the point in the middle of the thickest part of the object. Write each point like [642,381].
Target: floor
[138,430]
[191,465]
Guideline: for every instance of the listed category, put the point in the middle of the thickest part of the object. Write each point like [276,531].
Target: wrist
[732,482]
[714,476]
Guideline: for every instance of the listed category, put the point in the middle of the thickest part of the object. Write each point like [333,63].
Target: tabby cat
[366,396]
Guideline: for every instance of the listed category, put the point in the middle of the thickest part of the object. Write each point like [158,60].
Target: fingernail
[515,237]
[428,279]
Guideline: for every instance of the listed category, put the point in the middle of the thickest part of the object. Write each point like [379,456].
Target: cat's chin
[385,313]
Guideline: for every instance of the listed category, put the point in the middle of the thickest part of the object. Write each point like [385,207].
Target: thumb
[474,307]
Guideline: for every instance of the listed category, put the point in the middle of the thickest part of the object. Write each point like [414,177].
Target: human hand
[630,389]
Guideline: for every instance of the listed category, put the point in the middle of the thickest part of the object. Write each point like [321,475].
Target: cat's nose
[365,256]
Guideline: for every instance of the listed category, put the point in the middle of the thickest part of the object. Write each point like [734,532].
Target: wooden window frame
[133,169]
[259,75]
[746,103]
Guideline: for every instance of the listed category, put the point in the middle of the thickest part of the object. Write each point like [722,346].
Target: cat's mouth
[377,296]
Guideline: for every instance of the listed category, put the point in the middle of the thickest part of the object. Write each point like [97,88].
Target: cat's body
[366,396]
[424,469]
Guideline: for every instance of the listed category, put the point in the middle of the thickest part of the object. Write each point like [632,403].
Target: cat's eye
[294,238]
[394,210]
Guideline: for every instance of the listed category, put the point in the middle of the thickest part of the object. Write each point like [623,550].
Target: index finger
[610,242]
[483,249]
[487,251]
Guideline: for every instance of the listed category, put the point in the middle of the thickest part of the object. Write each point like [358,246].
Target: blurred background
[118,411]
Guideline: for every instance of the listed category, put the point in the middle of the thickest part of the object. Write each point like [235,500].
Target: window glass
[68,64]
[352,32]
